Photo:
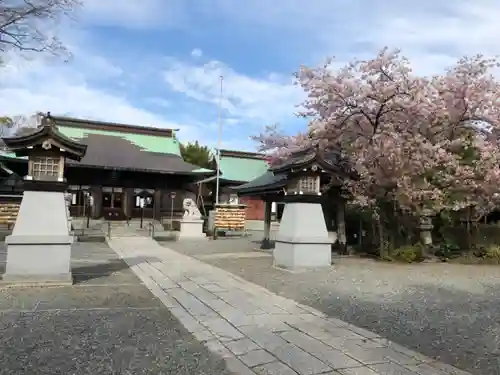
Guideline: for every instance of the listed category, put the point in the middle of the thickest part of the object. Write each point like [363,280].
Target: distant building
[123,164]
[237,168]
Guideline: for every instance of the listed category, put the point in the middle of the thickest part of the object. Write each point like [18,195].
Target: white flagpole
[219,141]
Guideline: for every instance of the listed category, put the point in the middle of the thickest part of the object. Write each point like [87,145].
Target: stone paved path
[258,332]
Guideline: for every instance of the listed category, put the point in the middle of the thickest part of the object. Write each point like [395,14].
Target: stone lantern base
[302,241]
[39,249]
[191,228]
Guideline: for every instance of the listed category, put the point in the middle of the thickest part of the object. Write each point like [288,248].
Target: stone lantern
[303,240]
[39,248]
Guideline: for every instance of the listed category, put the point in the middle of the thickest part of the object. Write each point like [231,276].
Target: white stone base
[39,249]
[38,263]
[191,229]
[303,240]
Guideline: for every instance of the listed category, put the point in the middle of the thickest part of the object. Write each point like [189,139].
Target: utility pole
[219,142]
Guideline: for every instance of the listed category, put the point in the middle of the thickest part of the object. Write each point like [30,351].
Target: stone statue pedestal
[191,228]
[302,241]
[39,249]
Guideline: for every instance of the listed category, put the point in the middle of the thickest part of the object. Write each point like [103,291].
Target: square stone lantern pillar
[39,248]
[303,240]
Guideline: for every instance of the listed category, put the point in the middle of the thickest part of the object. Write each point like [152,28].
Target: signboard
[173,194]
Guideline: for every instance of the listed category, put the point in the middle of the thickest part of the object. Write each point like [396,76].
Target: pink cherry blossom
[419,140]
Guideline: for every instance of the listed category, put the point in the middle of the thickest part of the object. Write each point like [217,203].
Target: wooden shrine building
[123,164]
[278,181]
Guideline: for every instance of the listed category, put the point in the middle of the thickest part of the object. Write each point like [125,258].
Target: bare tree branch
[28,25]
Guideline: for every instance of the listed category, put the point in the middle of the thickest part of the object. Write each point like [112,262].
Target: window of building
[309,184]
[112,200]
[148,201]
[45,167]
[77,198]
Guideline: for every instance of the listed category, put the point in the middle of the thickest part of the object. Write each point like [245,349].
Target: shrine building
[123,164]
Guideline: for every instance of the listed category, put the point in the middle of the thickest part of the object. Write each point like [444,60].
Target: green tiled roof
[202,170]
[148,143]
[242,169]
[11,155]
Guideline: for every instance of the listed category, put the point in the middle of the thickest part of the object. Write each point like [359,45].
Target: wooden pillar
[157,200]
[266,241]
[340,219]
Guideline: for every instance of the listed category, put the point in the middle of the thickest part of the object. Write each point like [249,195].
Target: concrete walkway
[258,332]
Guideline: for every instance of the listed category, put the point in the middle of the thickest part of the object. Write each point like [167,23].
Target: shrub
[488,254]
[408,253]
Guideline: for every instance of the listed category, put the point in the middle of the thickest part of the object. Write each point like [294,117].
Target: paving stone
[217,304]
[263,337]
[443,367]
[236,317]
[166,283]
[203,335]
[200,279]
[214,288]
[341,332]
[299,360]
[313,311]
[359,371]
[237,367]
[271,322]
[363,332]
[242,346]
[320,334]
[275,368]
[335,358]
[215,346]
[222,329]
[191,303]
[250,312]
[393,369]
[429,369]
[408,352]
[240,301]
[256,358]
[197,291]
[378,355]
[367,344]
[191,324]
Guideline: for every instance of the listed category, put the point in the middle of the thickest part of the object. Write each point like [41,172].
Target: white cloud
[196,52]
[265,99]
[27,87]
[431,33]
[143,14]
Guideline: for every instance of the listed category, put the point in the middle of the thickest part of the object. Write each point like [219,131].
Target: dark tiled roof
[118,153]
[74,150]
[265,183]
[331,160]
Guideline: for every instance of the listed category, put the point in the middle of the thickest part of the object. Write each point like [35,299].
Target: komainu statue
[191,211]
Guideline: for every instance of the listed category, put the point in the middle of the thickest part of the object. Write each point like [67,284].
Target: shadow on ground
[95,271]
[108,323]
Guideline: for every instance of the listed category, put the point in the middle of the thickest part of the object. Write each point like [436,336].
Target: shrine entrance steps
[103,229]
[131,228]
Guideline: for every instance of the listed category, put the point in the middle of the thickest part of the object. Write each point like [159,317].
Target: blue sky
[158,62]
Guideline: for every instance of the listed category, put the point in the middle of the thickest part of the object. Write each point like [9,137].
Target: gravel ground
[107,323]
[449,312]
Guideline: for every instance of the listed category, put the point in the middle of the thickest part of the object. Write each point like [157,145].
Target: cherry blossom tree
[420,141]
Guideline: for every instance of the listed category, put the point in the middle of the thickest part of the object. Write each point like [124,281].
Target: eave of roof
[20,144]
[266,183]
